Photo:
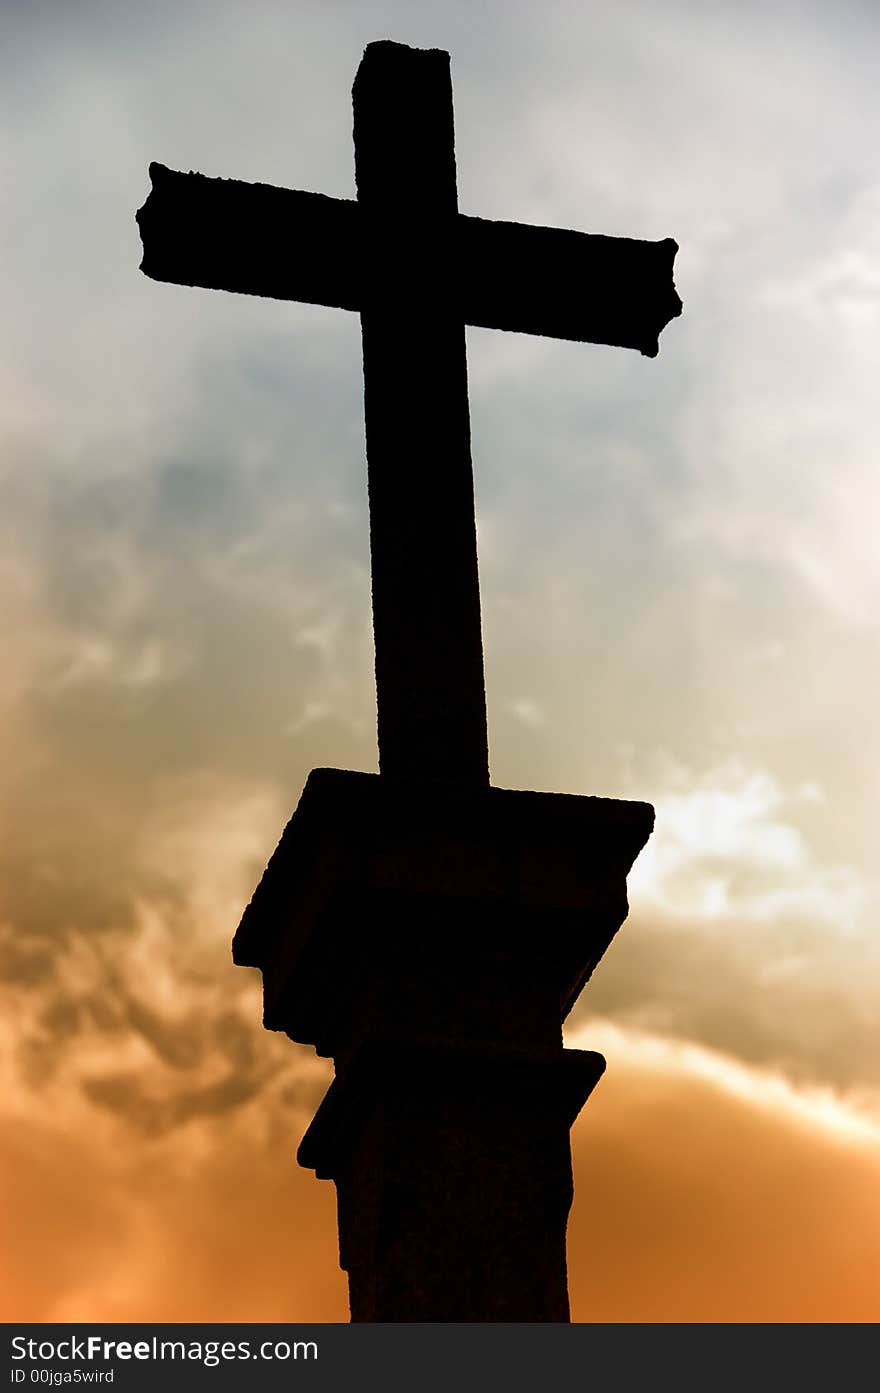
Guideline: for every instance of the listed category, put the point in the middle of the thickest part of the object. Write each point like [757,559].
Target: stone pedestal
[431,939]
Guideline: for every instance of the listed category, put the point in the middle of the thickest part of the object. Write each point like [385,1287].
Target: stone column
[431,940]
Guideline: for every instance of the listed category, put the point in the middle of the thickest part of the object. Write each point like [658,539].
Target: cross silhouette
[426,930]
[417,271]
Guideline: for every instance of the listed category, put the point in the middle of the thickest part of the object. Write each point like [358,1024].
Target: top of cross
[417,271]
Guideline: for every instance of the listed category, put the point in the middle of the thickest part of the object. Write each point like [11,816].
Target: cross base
[432,938]
[453,1180]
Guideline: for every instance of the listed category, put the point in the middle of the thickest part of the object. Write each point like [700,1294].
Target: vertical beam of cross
[426,600]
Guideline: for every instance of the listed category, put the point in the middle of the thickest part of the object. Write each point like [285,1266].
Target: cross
[454,1210]
[417,271]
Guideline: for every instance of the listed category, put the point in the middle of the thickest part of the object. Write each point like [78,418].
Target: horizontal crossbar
[223,234]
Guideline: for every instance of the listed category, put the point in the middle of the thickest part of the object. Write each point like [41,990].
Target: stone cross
[427,931]
[418,271]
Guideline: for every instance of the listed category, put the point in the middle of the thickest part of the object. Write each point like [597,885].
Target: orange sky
[696,1199]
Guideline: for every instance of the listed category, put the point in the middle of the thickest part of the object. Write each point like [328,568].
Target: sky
[679,582]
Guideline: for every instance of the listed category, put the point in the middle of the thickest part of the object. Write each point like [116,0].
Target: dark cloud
[778,1000]
[126,1095]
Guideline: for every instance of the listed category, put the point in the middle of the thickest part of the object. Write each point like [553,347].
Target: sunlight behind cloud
[725,844]
[854,1117]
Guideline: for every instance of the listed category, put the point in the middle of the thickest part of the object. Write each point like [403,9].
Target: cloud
[851,1119]
[143,1014]
[725,846]
[740,935]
